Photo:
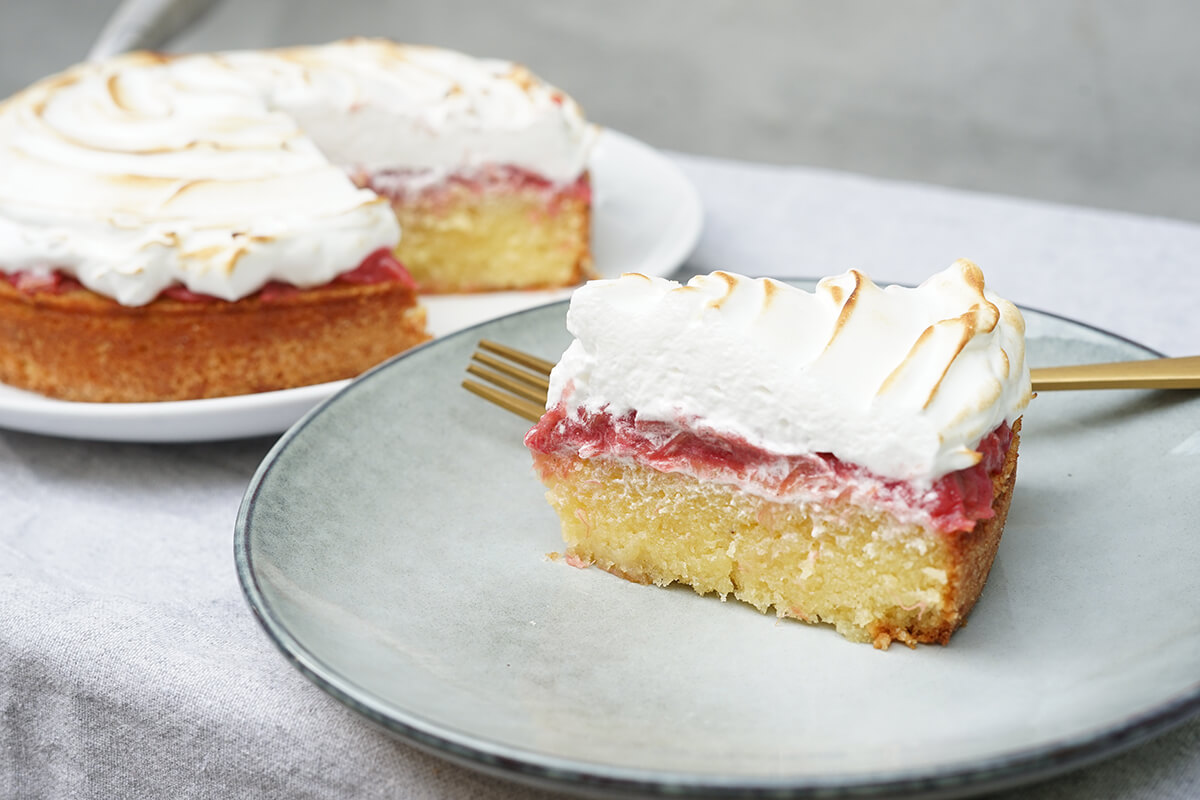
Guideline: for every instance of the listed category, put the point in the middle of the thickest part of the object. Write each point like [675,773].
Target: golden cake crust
[78,345]
[972,554]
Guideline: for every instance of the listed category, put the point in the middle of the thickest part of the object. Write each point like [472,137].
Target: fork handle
[1154,373]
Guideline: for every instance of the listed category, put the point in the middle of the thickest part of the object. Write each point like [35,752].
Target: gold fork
[522,378]
[523,382]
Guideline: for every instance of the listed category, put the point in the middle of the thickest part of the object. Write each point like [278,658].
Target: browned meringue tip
[141,181]
[221,258]
[113,85]
[964,323]
[971,273]
[771,290]
[731,282]
[849,303]
[520,76]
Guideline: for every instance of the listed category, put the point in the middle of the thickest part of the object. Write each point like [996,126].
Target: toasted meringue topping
[377,105]
[905,382]
[222,172]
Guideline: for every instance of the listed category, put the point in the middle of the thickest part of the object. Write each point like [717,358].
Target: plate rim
[86,420]
[527,766]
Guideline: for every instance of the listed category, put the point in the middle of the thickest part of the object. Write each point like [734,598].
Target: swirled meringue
[223,172]
[904,382]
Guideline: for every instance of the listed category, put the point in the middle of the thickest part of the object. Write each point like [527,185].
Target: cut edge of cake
[805,561]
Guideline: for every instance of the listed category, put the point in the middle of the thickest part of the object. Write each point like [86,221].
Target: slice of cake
[177,227]
[845,456]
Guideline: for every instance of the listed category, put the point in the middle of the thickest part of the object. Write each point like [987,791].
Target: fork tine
[535,393]
[517,356]
[517,405]
[538,382]
[514,389]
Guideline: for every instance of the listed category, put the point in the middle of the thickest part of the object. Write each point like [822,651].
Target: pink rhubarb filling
[379,266]
[953,502]
[414,186]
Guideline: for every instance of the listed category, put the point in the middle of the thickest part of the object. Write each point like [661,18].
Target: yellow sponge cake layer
[869,575]
[465,237]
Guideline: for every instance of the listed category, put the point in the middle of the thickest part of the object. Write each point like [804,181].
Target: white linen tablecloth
[130,665]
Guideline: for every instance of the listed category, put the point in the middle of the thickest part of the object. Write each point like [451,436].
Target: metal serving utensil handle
[145,25]
[1154,373]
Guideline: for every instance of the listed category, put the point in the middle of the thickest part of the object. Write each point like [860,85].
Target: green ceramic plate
[393,544]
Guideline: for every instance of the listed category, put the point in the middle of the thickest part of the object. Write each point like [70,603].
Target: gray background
[1081,102]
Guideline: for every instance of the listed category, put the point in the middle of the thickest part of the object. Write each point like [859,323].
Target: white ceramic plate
[646,218]
[393,544]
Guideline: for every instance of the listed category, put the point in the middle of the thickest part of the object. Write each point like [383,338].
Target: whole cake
[845,456]
[191,226]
